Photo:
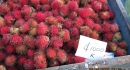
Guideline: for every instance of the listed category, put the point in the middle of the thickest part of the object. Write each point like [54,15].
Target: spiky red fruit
[29,41]
[65,35]
[51,53]
[56,12]
[97,27]
[114,28]
[24,28]
[9,19]
[4,30]
[23,2]
[14,6]
[91,11]
[56,42]
[105,8]
[78,59]
[41,29]
[42,41]
[64,10]
[10,60]
[16,40]
[29,64]
[83,13]
[108,36]
[40,60]
[112,46]
[78,22]
[34,2]
[21,49]
[97,6]
[19,22]
[105,26]
[105,15]
[4,8]
[51,20]
[21,60]
[74,33]
[94,35]
[59,19]
[89,22]
[85,30]
[55,4]
[122,44]
[26,10]
[54,30]
[17,14]
[43,2]
[30,53]
[32,22]
[62,56]
[2,56]
[120,52]
[46,7]
[67,23]
[10,49]
[72,5]
[72,15]
[40,16]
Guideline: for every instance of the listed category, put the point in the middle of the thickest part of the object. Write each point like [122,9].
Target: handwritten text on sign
[91,48]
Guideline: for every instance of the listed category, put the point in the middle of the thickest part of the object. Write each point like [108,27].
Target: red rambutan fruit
[85,30]
[51,20]
[42,28]
[65,35]
[78,22]
[40,60]
[55,4]
[56,42]
[16,40]
[24,28]
[51,53]
[10,49]
[10,60]
[67,23]
[21,49]
[42,42]
[4,30]
[72,5]
[64,10]
[40,16]
[62,56]
[29,41]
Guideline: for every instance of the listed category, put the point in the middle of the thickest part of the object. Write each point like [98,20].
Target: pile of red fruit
[35,34]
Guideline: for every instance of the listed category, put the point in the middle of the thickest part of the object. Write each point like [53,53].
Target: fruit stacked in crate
[36,34]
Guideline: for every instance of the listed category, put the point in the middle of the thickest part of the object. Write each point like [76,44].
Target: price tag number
[98,49]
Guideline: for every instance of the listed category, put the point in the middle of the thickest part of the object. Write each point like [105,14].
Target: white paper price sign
[91,48]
